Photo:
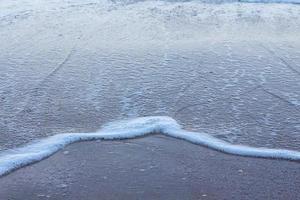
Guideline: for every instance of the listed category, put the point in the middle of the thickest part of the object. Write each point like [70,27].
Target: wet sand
[155,167]
[229,70]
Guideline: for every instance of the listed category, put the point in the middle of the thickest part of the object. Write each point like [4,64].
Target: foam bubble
[11,160]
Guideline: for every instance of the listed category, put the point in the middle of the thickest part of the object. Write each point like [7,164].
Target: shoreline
[154,167]
[14,159]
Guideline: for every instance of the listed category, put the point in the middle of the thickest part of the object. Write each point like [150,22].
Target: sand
[156,167]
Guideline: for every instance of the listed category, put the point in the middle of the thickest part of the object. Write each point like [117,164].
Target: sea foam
[13,159]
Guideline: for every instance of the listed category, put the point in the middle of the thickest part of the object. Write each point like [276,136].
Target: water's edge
[14,159]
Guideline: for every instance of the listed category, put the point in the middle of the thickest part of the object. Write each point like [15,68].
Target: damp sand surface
[156,167]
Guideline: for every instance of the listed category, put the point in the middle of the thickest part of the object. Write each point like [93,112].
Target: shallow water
[230,70]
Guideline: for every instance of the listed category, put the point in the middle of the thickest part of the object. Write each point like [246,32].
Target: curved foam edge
[13,159]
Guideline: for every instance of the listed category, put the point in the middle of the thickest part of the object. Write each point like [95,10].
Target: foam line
[13,159]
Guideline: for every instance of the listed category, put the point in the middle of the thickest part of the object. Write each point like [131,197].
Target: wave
[11,160]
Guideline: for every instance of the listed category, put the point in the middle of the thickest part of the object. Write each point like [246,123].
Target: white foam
[16,158]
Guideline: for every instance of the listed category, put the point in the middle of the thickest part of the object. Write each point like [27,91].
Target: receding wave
[11,160]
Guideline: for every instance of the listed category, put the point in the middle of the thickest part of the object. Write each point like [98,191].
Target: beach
[155,167]
[230,70]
